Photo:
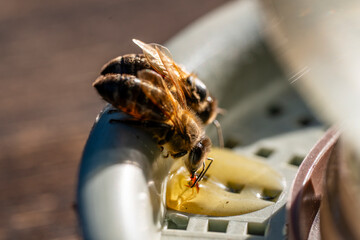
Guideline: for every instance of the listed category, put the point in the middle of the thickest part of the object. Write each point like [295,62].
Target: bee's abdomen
[126,92]
[127,64]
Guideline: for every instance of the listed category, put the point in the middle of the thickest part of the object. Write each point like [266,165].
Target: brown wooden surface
[50,53]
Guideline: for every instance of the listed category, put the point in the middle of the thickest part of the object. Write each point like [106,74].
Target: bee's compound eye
[201,89]
[195,157]
[189,80]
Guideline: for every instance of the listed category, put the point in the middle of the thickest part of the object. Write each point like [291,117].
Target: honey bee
[150,103]
[158,57]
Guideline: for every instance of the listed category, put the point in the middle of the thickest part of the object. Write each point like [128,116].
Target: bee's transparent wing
[152,56]
[174,75]
[157,91]
[162,62]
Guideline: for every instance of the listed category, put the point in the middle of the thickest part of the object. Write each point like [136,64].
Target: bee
[149,102]
[158,58]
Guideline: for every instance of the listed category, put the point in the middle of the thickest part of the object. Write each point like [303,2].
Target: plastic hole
[264,152]
[274,110]
[173,225]
[217,225]
[232,142]
[296,160]
[234,187]
[270,195]
[257,229]
[304,121]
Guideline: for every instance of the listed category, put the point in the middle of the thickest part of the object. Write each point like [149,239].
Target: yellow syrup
[234,185]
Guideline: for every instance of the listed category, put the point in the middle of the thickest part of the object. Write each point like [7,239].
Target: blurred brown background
[50,53]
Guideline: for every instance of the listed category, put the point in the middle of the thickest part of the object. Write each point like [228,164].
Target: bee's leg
[168,135]
[146,123]
[130,121]
[175,155]
[114,110]
[168,130]
[179,154]
[219,133]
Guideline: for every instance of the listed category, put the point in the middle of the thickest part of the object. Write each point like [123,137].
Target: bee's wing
[163,98]
[152,56]
[174,73]
[162,62]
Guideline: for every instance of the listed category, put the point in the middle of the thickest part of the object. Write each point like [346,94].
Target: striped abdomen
[127,64]
[126,92]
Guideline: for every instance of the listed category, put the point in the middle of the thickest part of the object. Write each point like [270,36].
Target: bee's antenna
[219,133]
[220,111]
[203,171]
[139,43]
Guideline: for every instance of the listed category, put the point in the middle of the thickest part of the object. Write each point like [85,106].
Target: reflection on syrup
[233,185]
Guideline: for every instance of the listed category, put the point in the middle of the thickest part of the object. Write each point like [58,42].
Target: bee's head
[209,113]
[198,154]
[200,88]
[204,104]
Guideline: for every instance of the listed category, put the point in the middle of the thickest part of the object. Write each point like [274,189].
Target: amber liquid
[233,185]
